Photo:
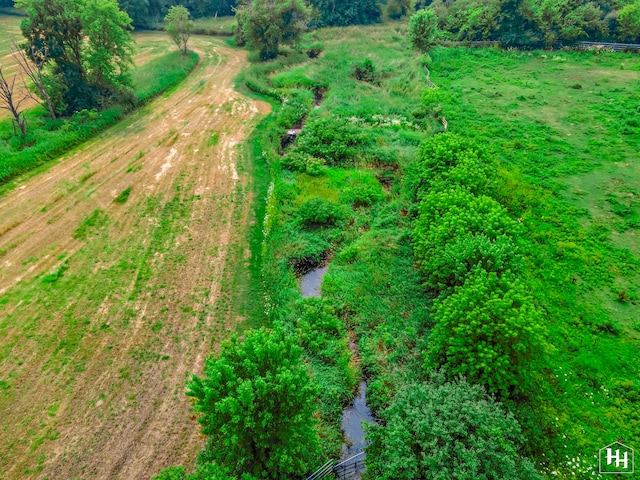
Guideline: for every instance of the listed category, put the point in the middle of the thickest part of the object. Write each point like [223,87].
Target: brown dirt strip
[94,363]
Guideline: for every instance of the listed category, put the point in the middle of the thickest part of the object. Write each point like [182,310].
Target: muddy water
[311,283]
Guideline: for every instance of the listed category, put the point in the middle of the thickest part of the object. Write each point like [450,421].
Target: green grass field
[564,128]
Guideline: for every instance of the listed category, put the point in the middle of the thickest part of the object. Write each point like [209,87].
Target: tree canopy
[256,402]
[446,431]
[179,26]
[265,24]
[85,48]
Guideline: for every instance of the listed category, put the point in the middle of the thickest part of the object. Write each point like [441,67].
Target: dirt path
[106,306]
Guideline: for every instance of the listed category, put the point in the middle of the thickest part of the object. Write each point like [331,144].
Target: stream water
[358,412]
[352,419]
[311,283]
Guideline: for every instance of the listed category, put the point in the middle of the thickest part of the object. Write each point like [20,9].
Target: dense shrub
[256,402]
[449,161]
[455,260]
[449,215]
[334,139]
[365,71]
[362,195]
[317,212]
[489,331]
[446,431]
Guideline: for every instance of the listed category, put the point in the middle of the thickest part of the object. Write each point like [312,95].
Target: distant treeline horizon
[533,23]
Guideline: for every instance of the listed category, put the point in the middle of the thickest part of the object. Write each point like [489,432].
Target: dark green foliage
[334,139]
[446,431]
[318,211]
[265,26]
[346,12]
[488,330]
[422,30]
[86,50]
[538,22]
[365,71]
[256,402]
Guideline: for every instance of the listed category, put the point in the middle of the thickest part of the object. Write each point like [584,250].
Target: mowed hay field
[115,271]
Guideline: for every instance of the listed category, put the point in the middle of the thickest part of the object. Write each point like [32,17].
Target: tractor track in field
[113,407]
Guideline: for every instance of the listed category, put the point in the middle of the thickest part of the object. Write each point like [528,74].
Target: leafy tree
[256,402]
[446,431]
[629,21]
[108,55]
[489,331]
[265,24]
[179,27]
[85,46]
[422,29]
[565,20]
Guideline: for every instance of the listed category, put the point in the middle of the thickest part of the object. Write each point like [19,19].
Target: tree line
[538,23]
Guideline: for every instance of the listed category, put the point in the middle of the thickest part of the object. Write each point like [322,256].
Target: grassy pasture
[565,127]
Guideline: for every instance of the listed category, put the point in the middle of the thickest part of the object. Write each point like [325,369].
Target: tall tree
[422,30]
[85,46]
[256,402]
[265,24]
[179,26]
[108,54]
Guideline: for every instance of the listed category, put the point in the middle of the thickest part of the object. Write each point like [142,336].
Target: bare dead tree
[9,102]
[32,64]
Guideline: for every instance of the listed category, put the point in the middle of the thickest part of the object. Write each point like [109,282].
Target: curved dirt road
[108,301]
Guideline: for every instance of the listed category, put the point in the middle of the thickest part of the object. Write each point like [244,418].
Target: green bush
[365,71]
[448,161]
[449,215]
[362,195]
[446,431]
[334,139]
[452,263]
[317,212]
[489,331]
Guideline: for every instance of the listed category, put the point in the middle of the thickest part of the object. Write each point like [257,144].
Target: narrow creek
[358,411]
